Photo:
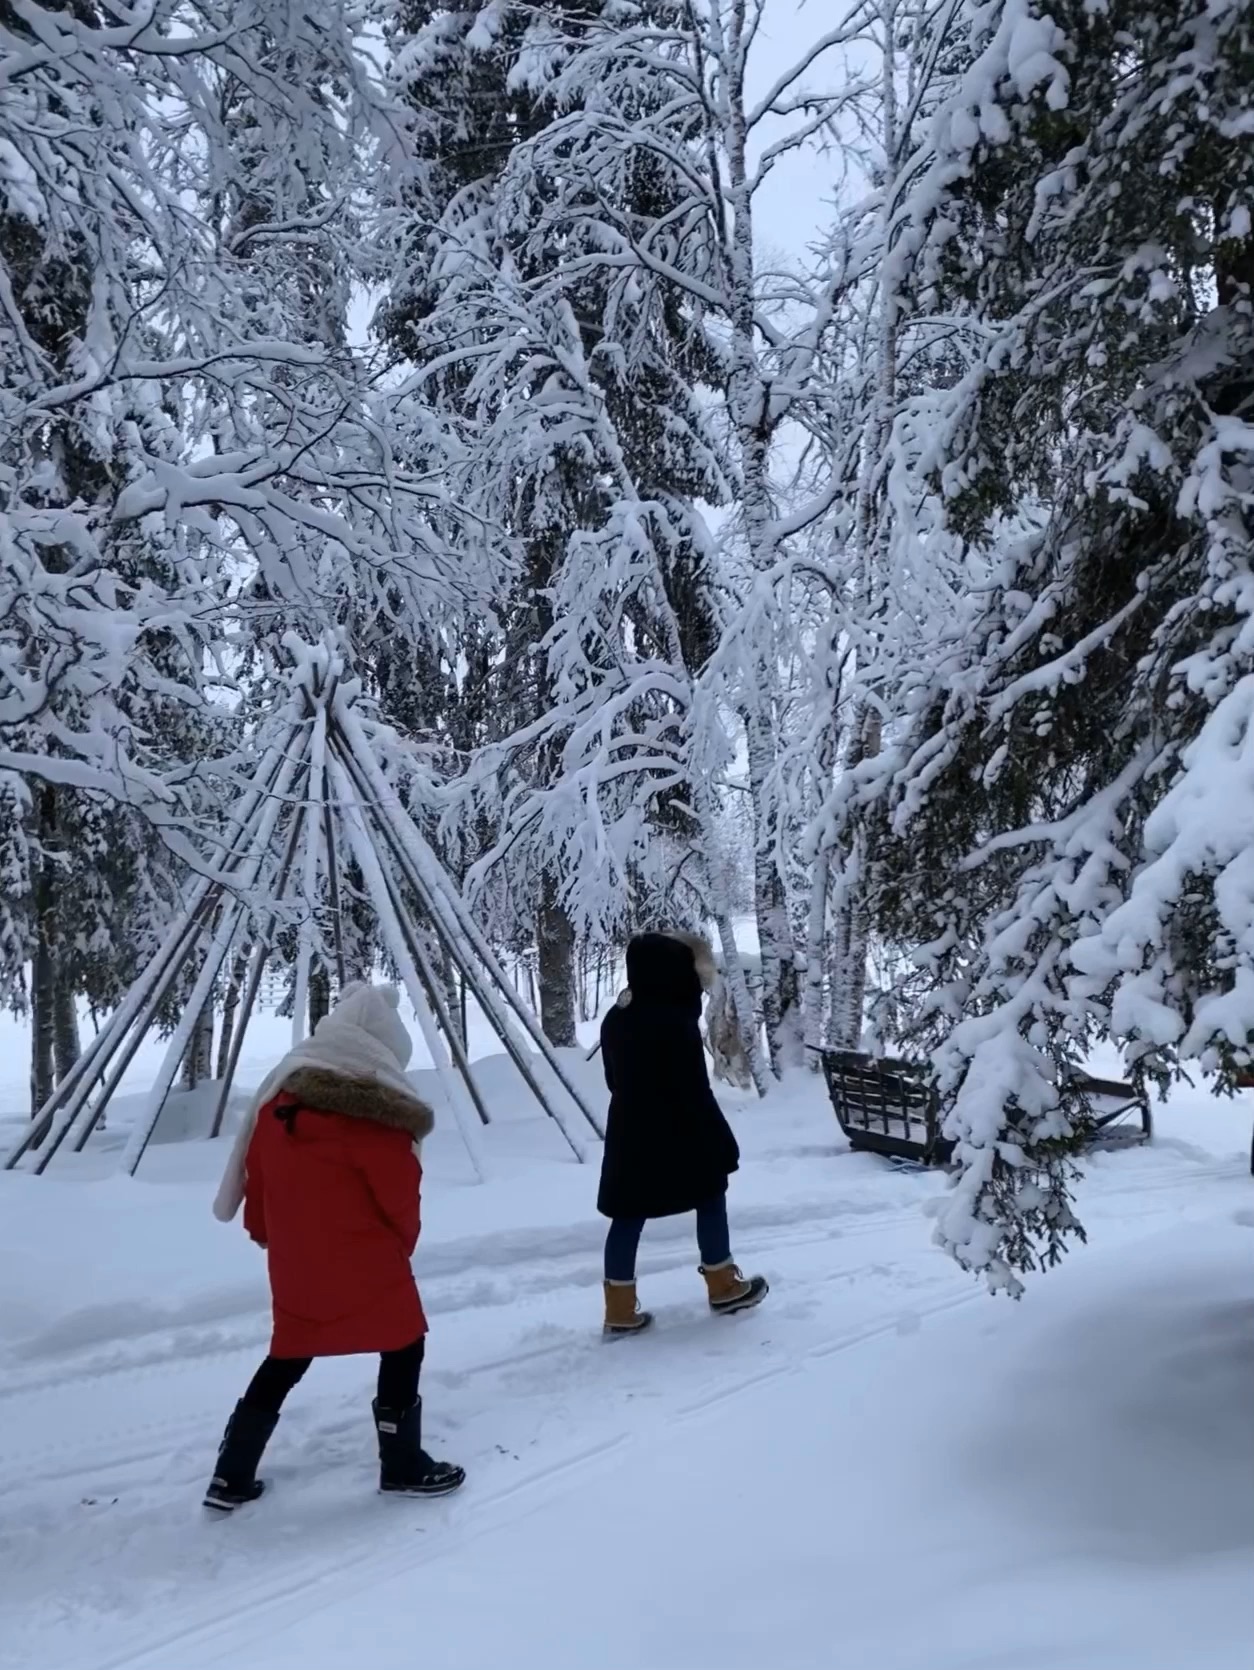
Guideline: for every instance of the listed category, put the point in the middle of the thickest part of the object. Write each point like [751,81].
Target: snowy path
[646,1480]
[811,1523]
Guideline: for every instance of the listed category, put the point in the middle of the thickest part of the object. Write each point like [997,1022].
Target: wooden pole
[216,956]
[219,947]
[68,1098]
[301,816]
[333,882]
[412,845]
[372,873]
[431,984]
[315,799]
[84,1113]
[278,758]
[432,902]
[470,974]
[230,1009]
[136,1007]
[428,975]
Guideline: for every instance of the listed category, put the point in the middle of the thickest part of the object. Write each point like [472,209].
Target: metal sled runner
[890,1107]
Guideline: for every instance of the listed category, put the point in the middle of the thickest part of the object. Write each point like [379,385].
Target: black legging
[398,1379]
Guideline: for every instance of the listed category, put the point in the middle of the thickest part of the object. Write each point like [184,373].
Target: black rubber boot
[235,1482]
[405,1468]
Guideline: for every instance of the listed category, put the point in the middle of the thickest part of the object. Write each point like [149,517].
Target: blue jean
[623,1240]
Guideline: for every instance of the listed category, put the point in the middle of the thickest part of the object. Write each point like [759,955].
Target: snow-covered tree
[606,290]
[590,445]
[865,580]
[190,455]
[88,661]
[1061,825]
[254,444]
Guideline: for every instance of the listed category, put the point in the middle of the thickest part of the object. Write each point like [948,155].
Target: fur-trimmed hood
[702,956]
[322,1091]
[643,953]
[362,1039]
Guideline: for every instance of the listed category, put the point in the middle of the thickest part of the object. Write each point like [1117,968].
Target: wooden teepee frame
[318,784]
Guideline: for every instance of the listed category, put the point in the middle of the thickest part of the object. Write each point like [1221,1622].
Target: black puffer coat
[668,1147]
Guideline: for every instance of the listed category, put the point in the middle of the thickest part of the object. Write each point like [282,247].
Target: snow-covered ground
[881,1469]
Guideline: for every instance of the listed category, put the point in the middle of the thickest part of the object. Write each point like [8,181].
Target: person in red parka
[330,1185]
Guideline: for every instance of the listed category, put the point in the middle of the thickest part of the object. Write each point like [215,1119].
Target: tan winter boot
[622,1313]
[730,1291]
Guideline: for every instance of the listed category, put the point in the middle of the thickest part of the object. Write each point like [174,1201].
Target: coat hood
[357,1098]
[363,1037]
[702,956]
[662,968]
[367,1015]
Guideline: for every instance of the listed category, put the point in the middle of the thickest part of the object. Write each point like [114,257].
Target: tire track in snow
[447,1298]
[443,1277]
[338,1564]
[24,1466]
[105,1451]
[267,1607]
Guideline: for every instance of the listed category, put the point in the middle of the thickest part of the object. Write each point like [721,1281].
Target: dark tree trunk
[230,1012]
[454,995]
[42,1028]
[1234,281]
[66,1044]
[319,995]
[1234,271]
[555,942]
[198,1062]
[43,982]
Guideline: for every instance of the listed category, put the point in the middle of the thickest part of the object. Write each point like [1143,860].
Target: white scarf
[363,1037]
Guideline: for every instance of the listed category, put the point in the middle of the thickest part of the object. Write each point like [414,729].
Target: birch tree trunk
[872,532]
[837,964]
[781,1013]
[750,408]
[742,1002]
[781,996]
[733,969]
[819,930]
[814,1007]
[852,936]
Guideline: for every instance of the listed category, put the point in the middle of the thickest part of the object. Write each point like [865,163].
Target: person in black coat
[668,1147]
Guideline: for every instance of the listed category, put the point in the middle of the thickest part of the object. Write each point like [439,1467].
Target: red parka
[332,1193]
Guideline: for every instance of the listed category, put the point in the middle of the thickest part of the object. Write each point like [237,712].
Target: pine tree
[1060,765]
